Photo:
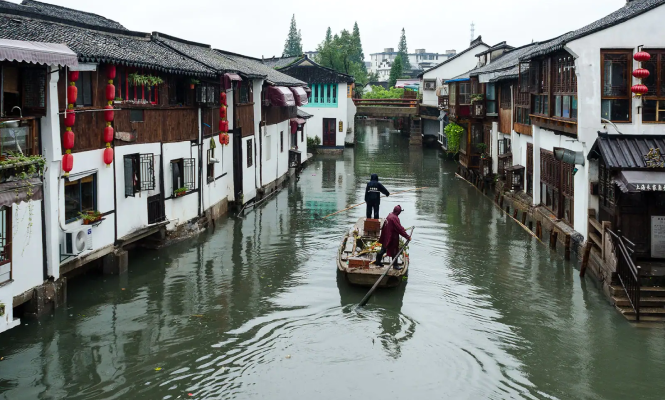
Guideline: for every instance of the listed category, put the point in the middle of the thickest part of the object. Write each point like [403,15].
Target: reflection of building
[419,60]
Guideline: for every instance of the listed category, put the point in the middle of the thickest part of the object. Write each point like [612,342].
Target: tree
[403,50]
[293,44]
[343,53]
[373,77]
[396,71]
[358,55]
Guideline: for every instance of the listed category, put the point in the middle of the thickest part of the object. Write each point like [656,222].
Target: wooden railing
[627,271]
[411,103]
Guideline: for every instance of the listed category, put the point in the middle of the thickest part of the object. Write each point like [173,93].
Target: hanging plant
[475,98]
[454,135]
[137,79]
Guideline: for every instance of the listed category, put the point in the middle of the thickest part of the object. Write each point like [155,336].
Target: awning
[19,191]
[308,90]
[300,95]
[295,122]
[457,80]
[229,78]
[80,175]
[304,115]
[280,96]
[640,181]
[37,53]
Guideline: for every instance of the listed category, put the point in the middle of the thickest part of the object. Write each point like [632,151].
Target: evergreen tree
[396,71]
[403,50]
[358,55]
[293,44]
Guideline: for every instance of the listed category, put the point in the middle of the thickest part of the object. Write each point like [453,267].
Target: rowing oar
[360,204]
[376,285]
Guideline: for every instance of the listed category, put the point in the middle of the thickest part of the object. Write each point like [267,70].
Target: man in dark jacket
[392,230]
[373,196]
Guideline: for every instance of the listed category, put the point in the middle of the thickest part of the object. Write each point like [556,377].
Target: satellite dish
[80,241]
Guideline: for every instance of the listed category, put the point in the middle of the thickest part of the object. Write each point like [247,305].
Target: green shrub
[454,135]
[313,142]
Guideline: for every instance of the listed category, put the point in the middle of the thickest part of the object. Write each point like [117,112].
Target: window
[464,93]
[323,95]
[430,84]
[505,101]
[606,190]
[250,153]
[5,244]
[557,186]
[210,169]
[281,142]
[155,209]
[654,100]
[529,168]
[84,86]
[616,96]
[126,90]
[208,93]
[80,196]
[177,91]
[491,99]
[182,174]
[522,96]
[136,115]
[244,92]
[139,173]
[452,99]
[565,87]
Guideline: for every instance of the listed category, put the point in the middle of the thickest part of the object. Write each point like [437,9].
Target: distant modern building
[420,60]
[311,54]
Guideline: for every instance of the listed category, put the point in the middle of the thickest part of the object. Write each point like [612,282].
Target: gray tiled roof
[506,60]
[130,48]
[474,44]
[70,14]
[303,114]
[255,66]
[625,151]
[630,10]
[200,52]
[280,62]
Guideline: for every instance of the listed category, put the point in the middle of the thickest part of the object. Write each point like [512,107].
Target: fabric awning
[295,122]
[19,191]
[640,181]
[232,77]
[300,95]
[308,90]
[280,96]
[37,53]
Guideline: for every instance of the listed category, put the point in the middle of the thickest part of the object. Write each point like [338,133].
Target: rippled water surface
[254,309]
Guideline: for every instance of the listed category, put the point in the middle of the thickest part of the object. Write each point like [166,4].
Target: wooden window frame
[529,168]
[629,64]
[186,167]
[489,101]
[659,95]
[81,84]
[558,177]
[143,168]
[210,166]
[464,96]
[80,195]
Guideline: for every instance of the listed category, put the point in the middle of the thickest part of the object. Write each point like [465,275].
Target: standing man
[373,196]
[392,230]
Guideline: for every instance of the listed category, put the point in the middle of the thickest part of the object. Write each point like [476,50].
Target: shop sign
[658,236]
[654,159]
[650,188]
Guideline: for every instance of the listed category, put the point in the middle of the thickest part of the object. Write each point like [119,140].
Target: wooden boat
[357,265]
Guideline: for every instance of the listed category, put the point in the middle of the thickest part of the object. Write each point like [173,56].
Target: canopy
[295,122]
[37,53]
[18,191]
[280,96]
[229,78]
[300,95]
[640,181]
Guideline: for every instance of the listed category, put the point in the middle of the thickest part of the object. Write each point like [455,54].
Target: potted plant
[180,192]
[137,79]
[193,82]
[482,147]
[477,98]
[90,217]
[118,100]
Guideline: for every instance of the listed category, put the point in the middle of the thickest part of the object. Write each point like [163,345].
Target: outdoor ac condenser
[76,242]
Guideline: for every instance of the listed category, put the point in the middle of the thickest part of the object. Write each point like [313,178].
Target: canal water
[254,309]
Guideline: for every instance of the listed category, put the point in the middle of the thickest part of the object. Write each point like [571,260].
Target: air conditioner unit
[76,242]
[213,161]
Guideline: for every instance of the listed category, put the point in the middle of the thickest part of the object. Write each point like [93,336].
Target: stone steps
[652,304]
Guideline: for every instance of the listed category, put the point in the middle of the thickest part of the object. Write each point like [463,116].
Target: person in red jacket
[392,229]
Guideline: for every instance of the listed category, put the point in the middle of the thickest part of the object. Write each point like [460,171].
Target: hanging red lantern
[222,98]
[108,134]
[642,56]
[108,114]
[639,90]
[222,112]
[70,118]
[68,139]
[73,76]
[223,126]
[67,163]
[108,155]
[72,93]
[110,71]
[641,73]
[110,92]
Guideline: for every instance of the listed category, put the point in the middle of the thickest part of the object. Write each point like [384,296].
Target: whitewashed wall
[222,187]
[461,64]
[248,173]
[275,160]
[340,113]
[182,209]
[27,261]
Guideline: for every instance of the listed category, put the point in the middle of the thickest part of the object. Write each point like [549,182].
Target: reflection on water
[255,309]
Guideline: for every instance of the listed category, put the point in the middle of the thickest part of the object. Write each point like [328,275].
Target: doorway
[329,135]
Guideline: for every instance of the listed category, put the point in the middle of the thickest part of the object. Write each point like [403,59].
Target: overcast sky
[259,27]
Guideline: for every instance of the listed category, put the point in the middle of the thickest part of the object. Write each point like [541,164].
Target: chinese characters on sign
[650,188]
[654,159]
[658,236]
[341,126]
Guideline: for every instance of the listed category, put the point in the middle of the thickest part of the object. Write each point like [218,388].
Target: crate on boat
[358,262]
[372,227]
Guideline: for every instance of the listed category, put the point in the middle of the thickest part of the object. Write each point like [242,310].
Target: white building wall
[249,172]
[351,120]
[222,187]
[275,157]
[449,70]
[339,113]
[182,209]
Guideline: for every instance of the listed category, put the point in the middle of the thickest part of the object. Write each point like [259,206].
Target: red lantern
[108,114]
[108,134]
[110,71]
[639,89]
[223,126]
[641,73]
[73,76]
[68,140]
[222,98]
[222,112]
[108,155]
[642,56]
[70,118]
[110,92]
[67,163]
[72,94]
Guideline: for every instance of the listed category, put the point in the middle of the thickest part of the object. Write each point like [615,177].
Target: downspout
[260,183]
[44,248]
[200,145]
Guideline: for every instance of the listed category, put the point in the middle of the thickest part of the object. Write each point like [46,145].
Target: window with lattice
[616,68]
[564,86]
[654,100]
[529,168]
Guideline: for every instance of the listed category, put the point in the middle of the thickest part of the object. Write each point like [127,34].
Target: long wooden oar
[360,204]
[369,294]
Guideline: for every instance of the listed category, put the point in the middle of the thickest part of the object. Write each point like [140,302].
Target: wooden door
[238,162]
[634,223]
[329,135]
